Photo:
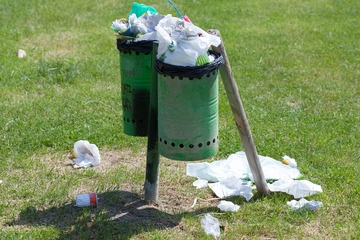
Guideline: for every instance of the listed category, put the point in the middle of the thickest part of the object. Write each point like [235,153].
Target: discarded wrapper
[304,204]
[297,188]
[87,200]
[289,161]
[211,225]
[21,53]
[85,154]
[232,187]
[228,206]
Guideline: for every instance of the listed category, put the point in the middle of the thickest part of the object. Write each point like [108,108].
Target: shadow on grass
[119,215]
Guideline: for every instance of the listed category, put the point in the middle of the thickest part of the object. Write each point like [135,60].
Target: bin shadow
[119,215]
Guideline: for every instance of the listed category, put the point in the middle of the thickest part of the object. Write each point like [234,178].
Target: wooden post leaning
[240,118]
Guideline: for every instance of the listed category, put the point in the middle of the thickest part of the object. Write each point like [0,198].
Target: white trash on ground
[86,154]
[228,206]
[211,225]
[232,187]
[21,53]
[237,165]
[289,161]
[200,183]
[297,188]
[304,204]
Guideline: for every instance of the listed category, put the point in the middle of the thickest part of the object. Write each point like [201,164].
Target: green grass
[297,66]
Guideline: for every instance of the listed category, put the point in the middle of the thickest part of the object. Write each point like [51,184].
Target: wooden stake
[240,118]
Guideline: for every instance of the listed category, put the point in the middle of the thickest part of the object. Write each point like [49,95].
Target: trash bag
[136,46]
[190,71]
[211,225]
[181,42]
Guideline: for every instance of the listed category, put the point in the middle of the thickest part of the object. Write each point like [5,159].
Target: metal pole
[151,184]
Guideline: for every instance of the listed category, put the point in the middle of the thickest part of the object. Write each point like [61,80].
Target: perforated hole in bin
[191,145]
[133,121]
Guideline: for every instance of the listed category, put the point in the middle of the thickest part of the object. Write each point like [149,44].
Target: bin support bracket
[151,184]
[240,118]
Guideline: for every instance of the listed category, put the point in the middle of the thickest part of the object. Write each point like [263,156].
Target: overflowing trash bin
[188,110]
[187,81]
[135,66]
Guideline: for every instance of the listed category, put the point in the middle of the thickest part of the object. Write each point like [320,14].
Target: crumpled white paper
[211,225]
[86,154]
[236,165]
[297,188]
[200,183]
[304,204]
[228,206]
[232,187]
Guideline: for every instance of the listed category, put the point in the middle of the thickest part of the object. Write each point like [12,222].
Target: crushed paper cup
[85,154]
[87,200]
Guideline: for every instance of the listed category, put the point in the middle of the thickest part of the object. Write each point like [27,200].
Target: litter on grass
[232,187]
[236,165]
[297,188]
[228,206]
[229,177]
[211,225]
[87,200]
[304,204]
[85,154]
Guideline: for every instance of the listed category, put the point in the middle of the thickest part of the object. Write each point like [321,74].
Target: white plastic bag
[211,225]
[228,206]
[86,154]
[181,42]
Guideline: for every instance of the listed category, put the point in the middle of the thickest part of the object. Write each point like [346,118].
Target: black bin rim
[126,45]
[190,71]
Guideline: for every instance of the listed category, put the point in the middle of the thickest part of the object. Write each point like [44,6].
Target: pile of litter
[233,177]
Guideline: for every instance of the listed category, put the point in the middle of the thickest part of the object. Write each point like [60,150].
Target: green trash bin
[136,73]
[188,110]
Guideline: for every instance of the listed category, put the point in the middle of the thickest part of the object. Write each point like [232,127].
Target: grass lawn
[297,66]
